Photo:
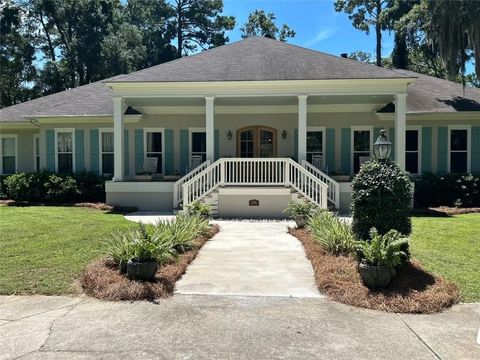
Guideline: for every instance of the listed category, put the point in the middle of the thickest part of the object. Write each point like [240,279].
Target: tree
[362,56]
[364,14]
[17,55]
[261,24]
[198,23]
[153,19]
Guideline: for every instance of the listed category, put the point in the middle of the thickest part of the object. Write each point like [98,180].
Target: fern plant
[382,250]
[199,208]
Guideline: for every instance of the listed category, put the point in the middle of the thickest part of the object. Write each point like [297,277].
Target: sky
[316,24]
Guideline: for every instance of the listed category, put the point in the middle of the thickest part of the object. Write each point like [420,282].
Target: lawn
[450,247]
[43,249]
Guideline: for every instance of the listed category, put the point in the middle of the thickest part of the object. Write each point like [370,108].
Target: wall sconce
[229,135]
[284,134]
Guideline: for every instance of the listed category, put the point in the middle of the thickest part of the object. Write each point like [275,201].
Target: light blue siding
[139,150]
[216,144]
[475,150]
[184,151]
[295,144]
[330,149]
[346,150]
[126,153]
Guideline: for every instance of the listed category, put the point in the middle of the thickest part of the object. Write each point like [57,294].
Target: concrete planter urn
[301,221]
[375,276]
[141,270]
[122,267]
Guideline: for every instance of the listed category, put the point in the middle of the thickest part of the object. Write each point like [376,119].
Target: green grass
[43,249]
[450,247]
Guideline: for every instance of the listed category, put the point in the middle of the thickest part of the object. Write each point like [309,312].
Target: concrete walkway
[217,327]
[251,258]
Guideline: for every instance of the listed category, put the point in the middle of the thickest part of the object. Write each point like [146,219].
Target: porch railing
[177,187]
[255,172]
[333,192]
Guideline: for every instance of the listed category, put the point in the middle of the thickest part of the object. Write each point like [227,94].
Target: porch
[251,138]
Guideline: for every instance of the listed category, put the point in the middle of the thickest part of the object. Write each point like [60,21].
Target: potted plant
[300,211]
[199,208]
[379,257]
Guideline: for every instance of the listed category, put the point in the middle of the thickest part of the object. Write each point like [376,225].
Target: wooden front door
[257,142]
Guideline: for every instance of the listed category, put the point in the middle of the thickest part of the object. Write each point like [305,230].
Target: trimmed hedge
[381,198]
[447,190]
[48,187]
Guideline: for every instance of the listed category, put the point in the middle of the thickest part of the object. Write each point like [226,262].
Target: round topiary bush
[381,198]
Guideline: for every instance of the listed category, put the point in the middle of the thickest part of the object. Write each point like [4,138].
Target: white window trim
[419,129]
[352,131]
[35,155]
[190,131]
[65,130]
[469,144]
[155,129]
[100,153]
[323,129]
[8,136]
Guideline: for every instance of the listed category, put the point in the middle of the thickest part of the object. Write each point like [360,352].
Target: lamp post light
[382,147]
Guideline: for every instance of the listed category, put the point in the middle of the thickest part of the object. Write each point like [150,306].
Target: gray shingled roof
[259,59]
[426,94]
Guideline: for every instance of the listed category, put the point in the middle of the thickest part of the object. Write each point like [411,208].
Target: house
[246,127]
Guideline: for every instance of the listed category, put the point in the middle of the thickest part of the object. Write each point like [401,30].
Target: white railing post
[222,172]
[286,180]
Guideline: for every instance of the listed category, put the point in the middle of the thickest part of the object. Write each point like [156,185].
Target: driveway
[233,327]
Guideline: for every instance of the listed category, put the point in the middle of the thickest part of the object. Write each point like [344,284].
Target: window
[315,144]
[362,147]
[459,154]
[36,152]
[64,150]
[106,151]
[8,152]
[154,147]
[412,151]
[198,146]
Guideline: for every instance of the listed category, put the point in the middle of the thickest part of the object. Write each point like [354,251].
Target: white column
[302,127]
[118,132]
[400,128]
[209,128]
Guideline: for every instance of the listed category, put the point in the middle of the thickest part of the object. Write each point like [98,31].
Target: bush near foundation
[48,187]
[461,190]
[381,199]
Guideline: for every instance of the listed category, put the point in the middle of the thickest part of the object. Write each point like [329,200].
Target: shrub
[332,233]
[301,209]
[383,250]
[381,198]
[199,208]
[447,190]
[47,187]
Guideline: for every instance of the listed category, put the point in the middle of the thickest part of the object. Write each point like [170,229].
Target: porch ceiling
[197,104]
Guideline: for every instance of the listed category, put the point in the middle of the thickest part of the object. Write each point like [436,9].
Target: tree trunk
[179,30]
[378,33]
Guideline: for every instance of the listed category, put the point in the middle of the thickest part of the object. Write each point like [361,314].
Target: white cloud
[322,35]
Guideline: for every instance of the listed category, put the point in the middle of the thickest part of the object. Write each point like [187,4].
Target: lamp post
[382,147]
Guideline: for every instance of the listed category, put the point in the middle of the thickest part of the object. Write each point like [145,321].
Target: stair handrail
[333,192]
[177,186]
[294,175]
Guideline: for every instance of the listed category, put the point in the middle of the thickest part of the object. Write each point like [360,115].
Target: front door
[257,141]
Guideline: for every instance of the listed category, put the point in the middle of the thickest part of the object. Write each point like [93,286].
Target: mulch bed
[413,290]
[90,205]
[446,211]
[102,280]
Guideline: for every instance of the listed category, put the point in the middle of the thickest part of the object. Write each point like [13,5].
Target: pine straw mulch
[413,290]
[102,280]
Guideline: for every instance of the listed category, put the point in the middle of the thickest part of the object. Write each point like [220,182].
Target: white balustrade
[333,192]
[177,187]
